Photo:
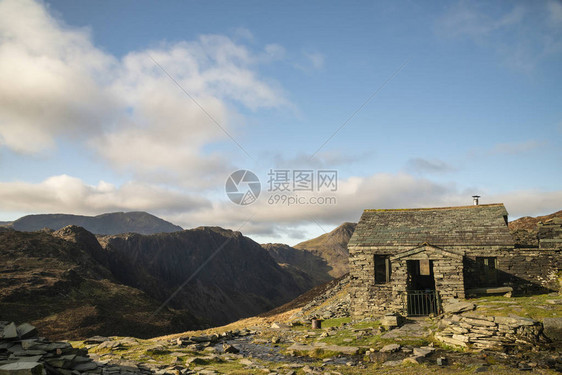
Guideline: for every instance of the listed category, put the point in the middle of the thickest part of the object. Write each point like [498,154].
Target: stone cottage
[409,260]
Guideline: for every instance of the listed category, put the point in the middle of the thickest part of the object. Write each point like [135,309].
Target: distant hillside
[300,262]
[332,247]
[111,223]
[530,223]
[53,281]
[216,273]
[72,284]
[525,229]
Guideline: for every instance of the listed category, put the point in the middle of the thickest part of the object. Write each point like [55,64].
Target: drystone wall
[22,352]
[470,329]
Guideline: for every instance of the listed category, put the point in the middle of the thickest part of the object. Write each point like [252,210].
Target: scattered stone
[390,348]
[10,332]
[227,348]
[391,363]
[424,351]
[87,366]
[22,368]
[277,325]
[390,320]
[442,361]
[26,331]
[553,328]
[414,360]
[197,361]
[455,306]
[246,362]
[96,340]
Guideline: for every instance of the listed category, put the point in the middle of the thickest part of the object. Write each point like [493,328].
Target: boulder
[390,348]
[553,328]
[348,350]
[26,331]
[390,320]
[230,349]
[424,351]
[416,360]
[22,368]
[455,306]
[10,332]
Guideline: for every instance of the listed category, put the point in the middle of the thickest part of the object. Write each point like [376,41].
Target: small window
[486,263]
[382,269]
[487,270]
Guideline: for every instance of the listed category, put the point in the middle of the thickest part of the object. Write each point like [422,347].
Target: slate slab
[22,368]
[553,328]
[10,332]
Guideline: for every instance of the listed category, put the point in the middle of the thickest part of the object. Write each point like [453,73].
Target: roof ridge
[433,208]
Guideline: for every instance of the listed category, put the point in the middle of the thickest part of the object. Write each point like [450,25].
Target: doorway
[422,298]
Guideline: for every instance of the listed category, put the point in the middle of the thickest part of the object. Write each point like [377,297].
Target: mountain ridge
[332,247]
[105,224]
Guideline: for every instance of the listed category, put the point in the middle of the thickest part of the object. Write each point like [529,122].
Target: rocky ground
[285,343]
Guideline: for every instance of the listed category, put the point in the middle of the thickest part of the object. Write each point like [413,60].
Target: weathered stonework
[479,331]
[465,248]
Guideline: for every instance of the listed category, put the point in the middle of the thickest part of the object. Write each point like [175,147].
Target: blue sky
[120,106]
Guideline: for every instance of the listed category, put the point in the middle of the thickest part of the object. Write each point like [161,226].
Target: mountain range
[72,283]
[110,223]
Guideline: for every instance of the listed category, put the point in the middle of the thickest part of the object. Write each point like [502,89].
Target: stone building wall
[460,241]
[526,270]
[367,297]
[370,299]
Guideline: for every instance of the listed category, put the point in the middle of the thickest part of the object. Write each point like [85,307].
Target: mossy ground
[536,307]
[364,334]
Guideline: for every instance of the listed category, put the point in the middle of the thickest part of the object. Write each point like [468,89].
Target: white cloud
[57,85]
[71,195]
[522,36]
[354,194]
[529,202]
[52,80]
[315,59]
[68,194]
[466,19]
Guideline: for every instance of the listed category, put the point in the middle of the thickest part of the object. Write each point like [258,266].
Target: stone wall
[550,234]
[477,331]
[526,270]
[22,352]
[370,299]
[367,298]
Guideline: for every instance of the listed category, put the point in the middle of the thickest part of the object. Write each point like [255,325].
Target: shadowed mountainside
[332,247]
[110,223]
[223,275]
[59,286]
[300,262]
[69,285]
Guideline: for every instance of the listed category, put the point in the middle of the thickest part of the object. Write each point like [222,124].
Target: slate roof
[466,225]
